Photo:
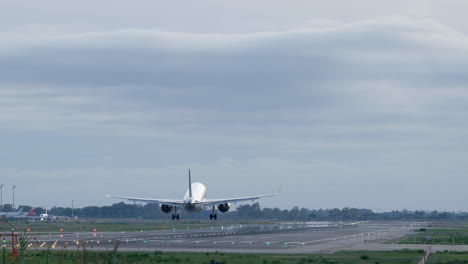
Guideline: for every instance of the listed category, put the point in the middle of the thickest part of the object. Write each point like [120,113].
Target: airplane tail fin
[31,213]
[20,210]
[190,184]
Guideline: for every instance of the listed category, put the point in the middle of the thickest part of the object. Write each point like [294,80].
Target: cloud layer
[337,112]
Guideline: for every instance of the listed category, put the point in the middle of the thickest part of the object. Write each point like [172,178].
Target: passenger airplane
[17,214]
[44,216]
[194,201]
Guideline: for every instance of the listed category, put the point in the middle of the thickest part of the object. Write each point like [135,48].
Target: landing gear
[213,214]
[175,215]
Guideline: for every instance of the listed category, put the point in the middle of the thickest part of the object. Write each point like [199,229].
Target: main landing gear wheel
[175,215]
[213,215]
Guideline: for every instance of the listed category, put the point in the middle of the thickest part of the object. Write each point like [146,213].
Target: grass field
[345,257]
[441,234]
[448,258]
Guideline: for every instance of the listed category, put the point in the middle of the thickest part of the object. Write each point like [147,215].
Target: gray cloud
[337,106]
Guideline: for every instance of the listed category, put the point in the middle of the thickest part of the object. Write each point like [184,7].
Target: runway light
[232,242]
[268,243]
[285,243]
[303,244]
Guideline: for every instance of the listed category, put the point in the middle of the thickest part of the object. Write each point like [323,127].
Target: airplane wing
[150,200]
[211,202]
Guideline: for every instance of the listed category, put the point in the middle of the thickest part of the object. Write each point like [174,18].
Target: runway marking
[176,241]
[354,235]
[201,241]
[247,242]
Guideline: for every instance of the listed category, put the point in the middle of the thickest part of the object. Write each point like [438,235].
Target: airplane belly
[193,208]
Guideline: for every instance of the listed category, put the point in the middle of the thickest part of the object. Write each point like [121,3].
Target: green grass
[439,236]
[345,257]
[448,257]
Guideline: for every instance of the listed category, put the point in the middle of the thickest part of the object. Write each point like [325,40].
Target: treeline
[248,211]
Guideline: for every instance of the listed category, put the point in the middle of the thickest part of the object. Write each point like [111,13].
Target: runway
[310,237]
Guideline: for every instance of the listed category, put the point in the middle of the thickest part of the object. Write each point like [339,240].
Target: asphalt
[280,238]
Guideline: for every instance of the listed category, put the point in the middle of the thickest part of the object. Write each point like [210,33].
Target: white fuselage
[44,217]
[10,214]
[198,195]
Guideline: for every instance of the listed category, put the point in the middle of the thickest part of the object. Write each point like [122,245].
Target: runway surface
[284,238]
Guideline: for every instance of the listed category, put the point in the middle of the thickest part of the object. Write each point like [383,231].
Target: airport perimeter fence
[426,256]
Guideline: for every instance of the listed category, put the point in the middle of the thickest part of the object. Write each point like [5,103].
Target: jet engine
[224,207]
[166,208]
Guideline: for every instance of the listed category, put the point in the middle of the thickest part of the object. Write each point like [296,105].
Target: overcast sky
[344,103]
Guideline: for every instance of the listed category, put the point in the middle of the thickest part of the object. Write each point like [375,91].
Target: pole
[72,208]
[14,186]
[1,196]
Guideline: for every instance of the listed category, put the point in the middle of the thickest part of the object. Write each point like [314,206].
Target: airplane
[17,214]
[10,214]
[30,214]
[194,201]
[45,217]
